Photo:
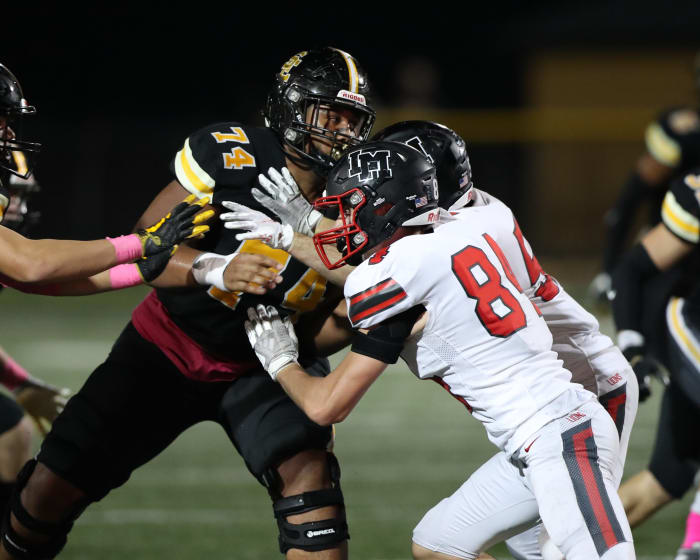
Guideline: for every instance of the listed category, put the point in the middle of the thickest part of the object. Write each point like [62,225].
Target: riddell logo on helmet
[357,97]
[433,217]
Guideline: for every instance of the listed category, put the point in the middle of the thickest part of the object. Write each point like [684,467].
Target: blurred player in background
[674,462]
[449,304]
[591,356]
[672,147]
[24,263]
[185,358]
[41,401]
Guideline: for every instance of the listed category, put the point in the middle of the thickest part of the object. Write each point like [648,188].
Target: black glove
[177,225]
[151,267]
[645,367]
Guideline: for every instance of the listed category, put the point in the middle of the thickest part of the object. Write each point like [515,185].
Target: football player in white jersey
[591,356]
[594,361]
[481,338]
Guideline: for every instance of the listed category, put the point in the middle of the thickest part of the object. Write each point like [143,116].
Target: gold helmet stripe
[353,77]
[678,220]
[20,162]
[191,175]
[661,146]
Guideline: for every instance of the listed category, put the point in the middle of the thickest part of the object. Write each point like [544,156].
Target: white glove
[599,287]
[273,339]
[282,196]
[208,269]
[259,226]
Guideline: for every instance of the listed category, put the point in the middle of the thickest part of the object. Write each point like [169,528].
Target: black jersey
[223,161]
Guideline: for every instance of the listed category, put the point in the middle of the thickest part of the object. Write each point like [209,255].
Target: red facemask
[348,238]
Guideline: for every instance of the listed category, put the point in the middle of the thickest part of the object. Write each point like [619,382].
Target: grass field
[406,446]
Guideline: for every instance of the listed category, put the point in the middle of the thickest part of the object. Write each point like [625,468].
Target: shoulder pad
[680,210]
[226,154]
[668,135]
[373,304]
[379,287]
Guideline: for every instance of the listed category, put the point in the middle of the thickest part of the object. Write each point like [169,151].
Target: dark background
[119,88]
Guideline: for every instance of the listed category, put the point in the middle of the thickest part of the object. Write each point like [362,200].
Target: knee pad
[313,535]
[55,534]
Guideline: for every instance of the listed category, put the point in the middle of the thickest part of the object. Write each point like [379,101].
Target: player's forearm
[178,272]
[329,400]
[303,249]
[52,260]
[311,394]
[95,284]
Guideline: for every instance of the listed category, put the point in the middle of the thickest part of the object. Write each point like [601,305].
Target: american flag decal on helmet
[374,300]
[422,201]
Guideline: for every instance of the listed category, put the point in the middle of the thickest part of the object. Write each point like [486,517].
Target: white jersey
[576,333]
[484,340]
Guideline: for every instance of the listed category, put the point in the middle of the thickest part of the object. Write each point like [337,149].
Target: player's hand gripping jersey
[484,340]
[223,161]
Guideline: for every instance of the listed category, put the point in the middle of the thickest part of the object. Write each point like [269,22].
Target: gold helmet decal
[291,63]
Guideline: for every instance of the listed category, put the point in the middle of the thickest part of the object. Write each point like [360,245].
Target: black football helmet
[307,81]
[445,149]
[13,106]
[376,189]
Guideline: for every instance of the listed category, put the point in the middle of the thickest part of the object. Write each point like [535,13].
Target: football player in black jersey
[185,358]
[674,461]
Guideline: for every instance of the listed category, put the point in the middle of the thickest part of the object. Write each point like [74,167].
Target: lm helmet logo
[369,165]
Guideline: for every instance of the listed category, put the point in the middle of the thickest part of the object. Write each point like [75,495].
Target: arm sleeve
[635,268]
[619,218]
[385,342]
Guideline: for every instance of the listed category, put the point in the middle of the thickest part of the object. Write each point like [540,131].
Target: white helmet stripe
[352,71]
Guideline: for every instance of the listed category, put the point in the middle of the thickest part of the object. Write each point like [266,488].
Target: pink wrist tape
[692,530]
[127,247]
[13,374]
[124,275]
